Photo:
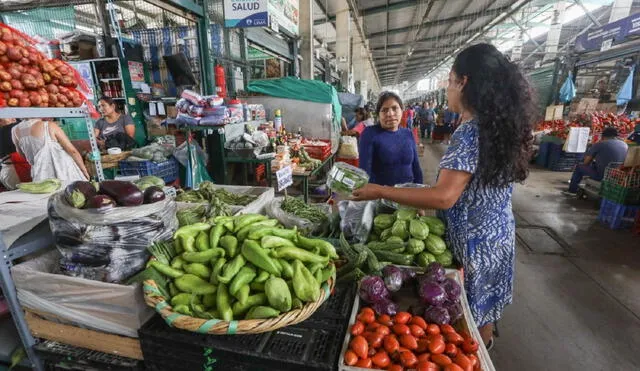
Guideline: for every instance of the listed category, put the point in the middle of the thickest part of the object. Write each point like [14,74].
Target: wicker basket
[108,162]
[154,299]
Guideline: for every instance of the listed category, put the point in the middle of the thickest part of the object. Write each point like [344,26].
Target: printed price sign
[284,178]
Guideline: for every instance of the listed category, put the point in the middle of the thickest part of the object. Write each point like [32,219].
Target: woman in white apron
[49,151]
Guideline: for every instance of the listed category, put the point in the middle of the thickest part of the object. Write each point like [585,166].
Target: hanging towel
[626,92]
[568,90]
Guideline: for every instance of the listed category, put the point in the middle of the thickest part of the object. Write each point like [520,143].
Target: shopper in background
[598,157]
[363,120]
[450,119]
[49,151]
[488,153]
[387,152]
[114,129]
[635,136]
[427,117]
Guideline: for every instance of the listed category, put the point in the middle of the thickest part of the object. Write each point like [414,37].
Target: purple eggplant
[78,193]
[153,194]
[124,193]
[101,203]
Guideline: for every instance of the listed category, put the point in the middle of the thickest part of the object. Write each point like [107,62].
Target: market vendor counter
[305,176]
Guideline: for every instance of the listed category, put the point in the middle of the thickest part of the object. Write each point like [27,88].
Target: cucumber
[399,259]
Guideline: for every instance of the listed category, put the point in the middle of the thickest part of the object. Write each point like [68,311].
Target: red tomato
[385,319]
[373,326]
[424,357]
[441,359]
[455,338]
[357,328]
[409,342]
[391,344]
[463,361]
[416,330]
[423,345]
[395,367]
[384,330]
[433,329]
[359,346]
[436,346]
[367,310]
[374,339]
[402,318]
[474,360]
[408,359]
[451,350]
[453,367]
[381,359]
[418,321]
[366,317]
[469,345]
[350,358]
[400,329]
[446,329]
[364,363]
[427,366]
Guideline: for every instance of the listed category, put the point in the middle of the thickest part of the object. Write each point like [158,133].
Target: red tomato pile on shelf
[406,342]
[29,79]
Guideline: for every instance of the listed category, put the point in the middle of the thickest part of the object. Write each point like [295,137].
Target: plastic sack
[274,210]
[395,205]
[8,176]
[356,219]
[626,91]
[109,246]
[108,307]
[568,90]
[348,148]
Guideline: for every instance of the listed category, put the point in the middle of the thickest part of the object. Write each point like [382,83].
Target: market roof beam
[433,38]
[588,13]
[463,17]
[372,11]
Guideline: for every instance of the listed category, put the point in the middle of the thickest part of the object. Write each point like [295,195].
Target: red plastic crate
[319,152]
[350,161]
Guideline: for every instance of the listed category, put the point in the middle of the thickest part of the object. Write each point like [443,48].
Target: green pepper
[191,230]
[183,309]
[287,269]
[263,276]
[165,269]
[259,257]
[243,277]
[271,242]
[223,303]
[203,256]
[178,246]
[231,269]
[243,233]
[257,234]
[242,221]
[194,285]
[188,243]
[173,290]
[184,299]
[313,268]
[202,241]
[209,300]
[318,275]
[294,253]
[230,244]
[217,270]
[326,249]
[240,309]
[177,262]
[262,312]
[296,303]
[257,286]
[243,294]
[198,269]
[215,234]
[278,294]
[305,285]
[327,273]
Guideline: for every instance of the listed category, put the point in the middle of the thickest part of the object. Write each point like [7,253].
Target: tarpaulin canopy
[307,90]
[349,104]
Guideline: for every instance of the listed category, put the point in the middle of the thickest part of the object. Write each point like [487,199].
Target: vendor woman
[488,153]
[113,124]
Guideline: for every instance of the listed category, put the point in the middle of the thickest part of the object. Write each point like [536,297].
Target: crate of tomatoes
[413,320]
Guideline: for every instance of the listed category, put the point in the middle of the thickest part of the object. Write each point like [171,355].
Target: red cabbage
[393,277]
[452,289]
[385,307]
[432,293]
[408,274]
[437,315]
[435,272]
[373,289]
[454,308]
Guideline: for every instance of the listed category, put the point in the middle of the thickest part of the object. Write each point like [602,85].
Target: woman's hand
[368,192]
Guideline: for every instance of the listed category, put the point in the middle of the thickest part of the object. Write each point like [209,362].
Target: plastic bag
[626,91]
[274,210]
[109,246]
[348,148]
[395,205]
[8,176]
[356,219]
[568,90]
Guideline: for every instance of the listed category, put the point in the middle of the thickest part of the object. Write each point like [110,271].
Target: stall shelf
[38,238]
[304,177]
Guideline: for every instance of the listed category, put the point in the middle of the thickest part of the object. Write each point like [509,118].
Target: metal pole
[206,66]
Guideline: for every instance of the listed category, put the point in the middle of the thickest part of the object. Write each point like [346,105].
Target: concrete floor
[575,311]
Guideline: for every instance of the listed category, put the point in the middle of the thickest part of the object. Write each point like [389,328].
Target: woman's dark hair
[364,112]
[499,95]
[107,100]
[385,96]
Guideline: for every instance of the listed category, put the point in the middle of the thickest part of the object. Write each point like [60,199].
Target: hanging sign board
[577,140]
[284,177]
[602,38]
[246,13]
[286,13]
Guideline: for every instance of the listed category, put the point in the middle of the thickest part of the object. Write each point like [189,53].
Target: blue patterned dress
[480,231]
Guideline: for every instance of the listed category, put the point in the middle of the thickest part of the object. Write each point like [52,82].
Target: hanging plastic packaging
[568,90]
[108,246]
[275,211]
[356,219]
[626,92]
[190,155]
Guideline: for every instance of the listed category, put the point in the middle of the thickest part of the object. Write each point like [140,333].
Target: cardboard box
[587,105]
[607,107]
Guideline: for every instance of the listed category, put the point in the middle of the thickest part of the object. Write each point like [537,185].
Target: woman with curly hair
[488,153]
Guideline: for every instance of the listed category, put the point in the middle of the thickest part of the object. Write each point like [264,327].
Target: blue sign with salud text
[246,13]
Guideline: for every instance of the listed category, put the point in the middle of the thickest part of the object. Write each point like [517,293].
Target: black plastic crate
[59,356]
[334,313]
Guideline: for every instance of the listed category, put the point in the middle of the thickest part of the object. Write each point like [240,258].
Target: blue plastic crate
[543,154]
[167,170]
[617,216]
[559,160]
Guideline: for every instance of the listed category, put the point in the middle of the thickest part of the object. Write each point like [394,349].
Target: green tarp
[307,90]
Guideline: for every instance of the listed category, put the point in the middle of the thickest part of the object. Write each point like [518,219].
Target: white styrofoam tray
[467,323]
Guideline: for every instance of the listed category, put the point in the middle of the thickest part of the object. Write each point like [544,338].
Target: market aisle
[578,310]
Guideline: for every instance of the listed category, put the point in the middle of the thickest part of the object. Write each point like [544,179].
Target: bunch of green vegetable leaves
[303,210]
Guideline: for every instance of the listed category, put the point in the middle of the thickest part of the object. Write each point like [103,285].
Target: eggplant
[124,193]
[153,194]
[78,193]
[101,203]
